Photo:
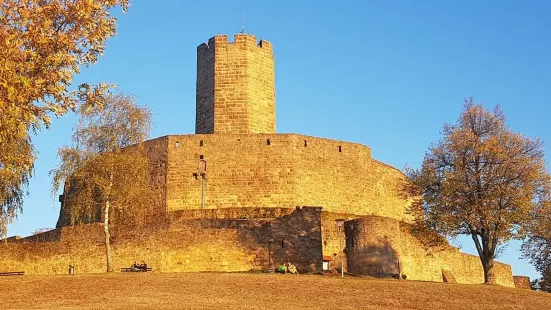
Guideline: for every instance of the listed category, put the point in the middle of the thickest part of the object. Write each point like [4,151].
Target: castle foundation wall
[382,247]
[182,242]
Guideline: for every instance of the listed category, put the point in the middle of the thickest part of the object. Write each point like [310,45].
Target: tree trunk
[486,255]
[107,238]
[489,276]
[106,221]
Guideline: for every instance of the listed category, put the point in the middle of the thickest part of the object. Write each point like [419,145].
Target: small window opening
[177,144]
[201,143]
[305,143]
[268,142]
[201,156]
[340,148]
[282,243]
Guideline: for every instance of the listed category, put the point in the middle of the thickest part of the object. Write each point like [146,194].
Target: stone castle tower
[235,91]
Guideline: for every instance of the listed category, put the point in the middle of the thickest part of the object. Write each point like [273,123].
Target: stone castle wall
[156,151]
[277,170]
[281,170]
[383,246]
[183,241]
[244,239]
[235,86]
[522,282]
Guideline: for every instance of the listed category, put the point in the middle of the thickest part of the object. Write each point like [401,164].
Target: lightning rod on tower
[243,17]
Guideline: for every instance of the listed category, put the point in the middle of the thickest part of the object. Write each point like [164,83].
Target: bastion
[267,197]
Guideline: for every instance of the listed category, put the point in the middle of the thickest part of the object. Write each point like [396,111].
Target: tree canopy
[43,44]
[481,180]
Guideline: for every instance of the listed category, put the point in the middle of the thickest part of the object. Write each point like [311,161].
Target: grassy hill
[253,291]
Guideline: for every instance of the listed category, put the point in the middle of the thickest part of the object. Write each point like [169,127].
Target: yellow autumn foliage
[43,44]
[481,180]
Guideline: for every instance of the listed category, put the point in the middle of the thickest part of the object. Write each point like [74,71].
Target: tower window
[201,143]
[268,142]
[340,148]
[305,143]
[201,156]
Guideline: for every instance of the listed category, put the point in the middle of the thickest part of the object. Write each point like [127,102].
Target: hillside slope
[253,291]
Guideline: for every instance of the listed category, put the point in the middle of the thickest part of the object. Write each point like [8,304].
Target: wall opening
[201,156]
[201,143]
[305,143]
[340,149]
[268,142]
[177,144]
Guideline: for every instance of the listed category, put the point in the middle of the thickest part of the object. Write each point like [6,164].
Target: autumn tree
[537,245]
[481,180]
[43,44]
[105,172]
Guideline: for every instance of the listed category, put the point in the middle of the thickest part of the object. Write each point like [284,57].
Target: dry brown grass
[252,291]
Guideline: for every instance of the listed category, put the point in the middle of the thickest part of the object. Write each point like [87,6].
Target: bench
[13,273]
[133,269]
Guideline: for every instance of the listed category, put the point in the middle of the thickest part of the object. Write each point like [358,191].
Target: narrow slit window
[305,143]
[340,149]
[201,143]
[268,142]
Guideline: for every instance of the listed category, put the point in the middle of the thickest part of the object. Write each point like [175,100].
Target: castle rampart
[383,246]
[244,239]
[183,241]
[277,170]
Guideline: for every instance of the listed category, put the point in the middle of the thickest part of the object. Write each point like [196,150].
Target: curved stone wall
[281,170]
[272,170]
[383,246]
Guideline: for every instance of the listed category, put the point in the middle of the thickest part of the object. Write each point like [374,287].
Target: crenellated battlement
[240,40]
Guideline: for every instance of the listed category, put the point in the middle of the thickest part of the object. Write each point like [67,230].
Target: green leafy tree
[43,44]
[105,174]
[481,180]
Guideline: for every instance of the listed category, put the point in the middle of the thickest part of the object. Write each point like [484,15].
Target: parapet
[247,40]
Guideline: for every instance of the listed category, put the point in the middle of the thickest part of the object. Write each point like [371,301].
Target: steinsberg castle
[268,198]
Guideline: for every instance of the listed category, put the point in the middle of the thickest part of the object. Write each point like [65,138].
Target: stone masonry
[182,241]
[235,86]
[381,246]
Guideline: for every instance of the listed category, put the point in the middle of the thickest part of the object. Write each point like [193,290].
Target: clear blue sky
[387,74]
